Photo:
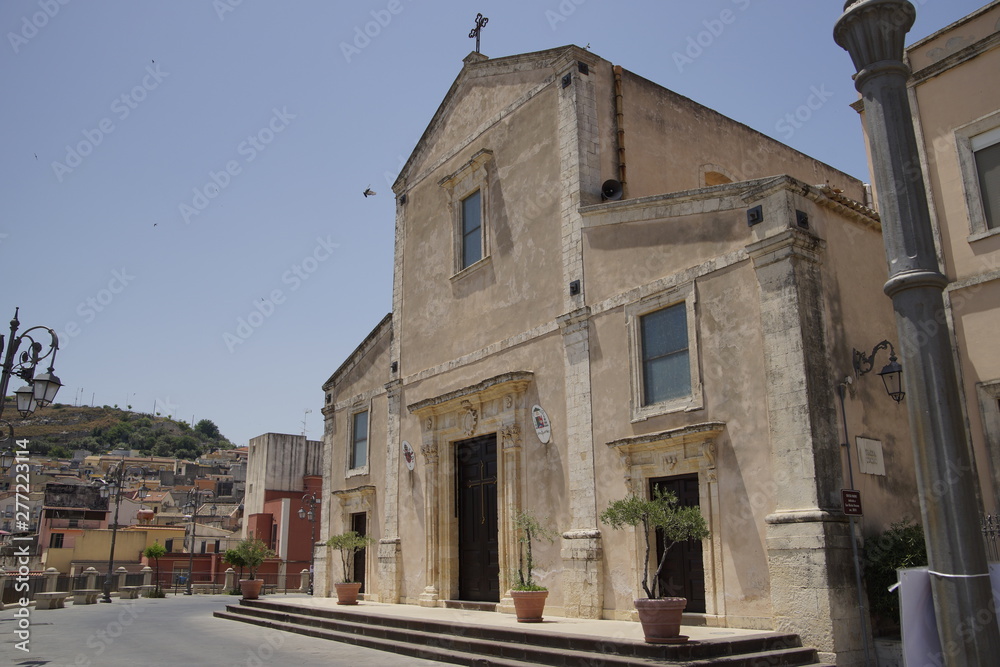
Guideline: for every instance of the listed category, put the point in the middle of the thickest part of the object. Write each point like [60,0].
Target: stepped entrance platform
[472,637]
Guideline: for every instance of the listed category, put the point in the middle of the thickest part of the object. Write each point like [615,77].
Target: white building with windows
[602,287]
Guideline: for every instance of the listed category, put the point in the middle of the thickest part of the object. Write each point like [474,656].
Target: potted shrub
[529,597]
[348,544]
[660,616]
[155,551]
[899,546]
[253,552]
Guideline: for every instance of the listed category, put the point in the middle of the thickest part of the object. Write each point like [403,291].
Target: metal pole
[873,32]
[194,515]
[312,551]
[114,535]
[862,612]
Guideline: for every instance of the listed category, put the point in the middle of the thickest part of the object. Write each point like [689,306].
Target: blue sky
[182,181]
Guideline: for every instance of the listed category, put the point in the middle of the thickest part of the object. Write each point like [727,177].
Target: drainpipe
[620,124]
[862,612]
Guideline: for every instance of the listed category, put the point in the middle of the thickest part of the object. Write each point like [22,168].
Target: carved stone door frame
[495,405]
[680,451]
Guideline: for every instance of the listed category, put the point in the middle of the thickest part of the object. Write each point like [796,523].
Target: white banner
[921,646]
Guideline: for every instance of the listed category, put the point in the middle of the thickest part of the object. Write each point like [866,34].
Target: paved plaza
[176,631]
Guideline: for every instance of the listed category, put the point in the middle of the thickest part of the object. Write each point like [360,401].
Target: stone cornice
[684,435]
[480,159]
[954,59]
[494,387]
[361,350]
[359,491]
[784,244]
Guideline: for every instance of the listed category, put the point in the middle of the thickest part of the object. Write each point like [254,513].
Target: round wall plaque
[408,455]
[543,428]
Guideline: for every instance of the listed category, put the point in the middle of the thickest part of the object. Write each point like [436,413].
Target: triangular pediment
[480,94]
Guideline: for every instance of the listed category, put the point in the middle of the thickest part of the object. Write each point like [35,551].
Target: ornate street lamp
[41,390]
[191,505]
[891,373]
[112,490]
[308,511]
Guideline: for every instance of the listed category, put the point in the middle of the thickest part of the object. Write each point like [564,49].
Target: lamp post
[873,33]
[112,490]
[308,511]
[40,390]
[193,500]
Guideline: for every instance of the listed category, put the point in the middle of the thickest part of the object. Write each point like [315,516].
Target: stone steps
[471,644]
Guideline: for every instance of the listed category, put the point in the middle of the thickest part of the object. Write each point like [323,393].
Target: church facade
[602,288]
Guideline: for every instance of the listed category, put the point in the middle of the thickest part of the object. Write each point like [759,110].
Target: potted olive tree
[529,597]
[253,552]
[349,544]
[660,616]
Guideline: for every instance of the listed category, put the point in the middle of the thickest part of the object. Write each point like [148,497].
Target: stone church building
[602,287]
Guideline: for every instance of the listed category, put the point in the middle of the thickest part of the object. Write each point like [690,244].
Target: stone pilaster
[581,549]
[389,550]
[510,480]
[583,573]
[432,502]
[808,546]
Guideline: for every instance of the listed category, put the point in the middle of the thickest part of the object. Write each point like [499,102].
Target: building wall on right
[955,103]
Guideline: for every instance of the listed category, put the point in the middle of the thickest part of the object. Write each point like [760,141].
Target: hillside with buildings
[61,429]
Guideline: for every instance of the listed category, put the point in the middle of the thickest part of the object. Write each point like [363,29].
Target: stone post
[230,579]
[147,576]
[91,575]
[3,586]
[304,581]
[873,33]
[122,573]
[51,579]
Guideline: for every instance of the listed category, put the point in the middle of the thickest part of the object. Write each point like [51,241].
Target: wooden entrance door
[476,508]
[359,524]
[683,574]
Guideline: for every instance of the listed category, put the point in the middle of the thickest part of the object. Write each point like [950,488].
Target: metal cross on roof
[480,22]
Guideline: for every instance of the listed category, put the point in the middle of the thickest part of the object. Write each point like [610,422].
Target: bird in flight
[368,192]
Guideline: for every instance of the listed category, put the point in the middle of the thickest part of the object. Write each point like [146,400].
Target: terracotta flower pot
[528,605]
[251,588]
[348,593]
[661,619]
